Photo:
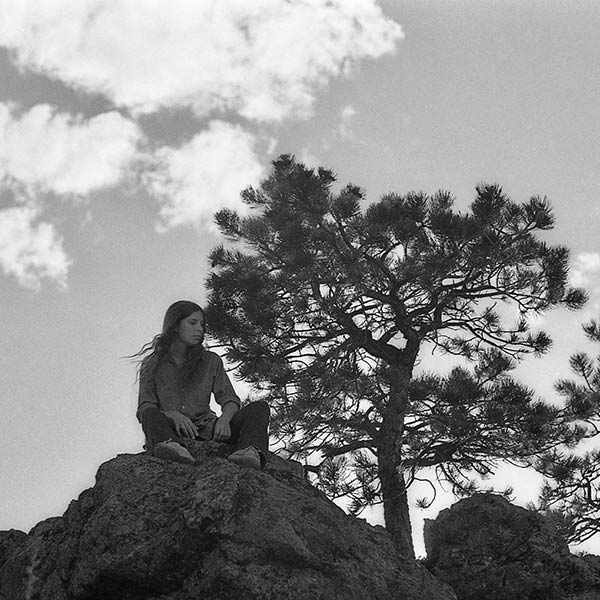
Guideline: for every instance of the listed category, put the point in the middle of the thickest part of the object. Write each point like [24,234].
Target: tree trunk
[393,488]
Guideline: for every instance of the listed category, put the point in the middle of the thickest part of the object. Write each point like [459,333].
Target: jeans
[249,427]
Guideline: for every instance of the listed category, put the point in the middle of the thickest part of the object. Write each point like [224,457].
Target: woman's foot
[173,451]
[248,457]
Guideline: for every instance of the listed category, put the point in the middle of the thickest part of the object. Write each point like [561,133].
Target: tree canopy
[324,302]
[572,487]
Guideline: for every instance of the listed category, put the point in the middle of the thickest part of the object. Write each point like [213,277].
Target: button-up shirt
[193,400]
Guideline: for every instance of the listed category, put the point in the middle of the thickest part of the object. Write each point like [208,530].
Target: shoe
[248,457]
[173,451]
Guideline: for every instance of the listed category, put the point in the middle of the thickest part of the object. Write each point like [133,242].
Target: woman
[177,377]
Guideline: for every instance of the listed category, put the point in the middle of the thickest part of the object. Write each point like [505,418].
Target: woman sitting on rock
[177,377]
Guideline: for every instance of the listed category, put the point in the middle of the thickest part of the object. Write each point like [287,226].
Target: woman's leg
[157,427]
[161,438]
[250,427]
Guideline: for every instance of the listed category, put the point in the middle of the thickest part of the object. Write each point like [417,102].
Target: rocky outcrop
[485,547]
[154,530]
[10,542]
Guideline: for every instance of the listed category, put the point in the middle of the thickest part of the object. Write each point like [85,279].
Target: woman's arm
[184,426]
[222,430]
[230,403]
[147,394]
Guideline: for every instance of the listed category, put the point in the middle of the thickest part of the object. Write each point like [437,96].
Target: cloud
[30,251]
[204,175]
[585,266]
[535,320]
[347,115]
[309,159]
[263,59]
[62,153]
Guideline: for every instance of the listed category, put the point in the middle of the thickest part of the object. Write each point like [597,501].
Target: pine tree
[572,488]
[325,304]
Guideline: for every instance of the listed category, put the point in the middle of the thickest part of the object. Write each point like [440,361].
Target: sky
[124,126]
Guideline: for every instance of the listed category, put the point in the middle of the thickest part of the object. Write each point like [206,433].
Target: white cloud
[63,153]
[347,115]
[585,266]
[535,320]
[264,59]
[30,251]
[204,175]
[309,159]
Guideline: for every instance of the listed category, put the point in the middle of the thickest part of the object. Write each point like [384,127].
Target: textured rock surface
[152,530]
[10,541]
[485,547]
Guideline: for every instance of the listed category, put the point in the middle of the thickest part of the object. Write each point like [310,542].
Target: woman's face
[191,329]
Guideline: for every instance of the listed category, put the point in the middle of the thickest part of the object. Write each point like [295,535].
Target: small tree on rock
[326,305]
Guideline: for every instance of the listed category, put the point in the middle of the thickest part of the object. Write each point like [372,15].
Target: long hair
[153,352]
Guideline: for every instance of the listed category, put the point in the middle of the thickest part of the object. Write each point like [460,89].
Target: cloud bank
[45,151]
[260,62]
[263,59]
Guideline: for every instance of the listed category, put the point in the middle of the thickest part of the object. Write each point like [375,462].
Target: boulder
[10,541]
[156,530]
[486,547]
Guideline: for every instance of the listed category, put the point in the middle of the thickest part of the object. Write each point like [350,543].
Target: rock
[485,547]
[155,530]
[10,541]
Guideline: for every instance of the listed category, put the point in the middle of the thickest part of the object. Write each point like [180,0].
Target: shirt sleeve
[222,388]
[147,396]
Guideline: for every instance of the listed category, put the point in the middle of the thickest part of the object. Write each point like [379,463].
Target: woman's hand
[222,430]
[184,426]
